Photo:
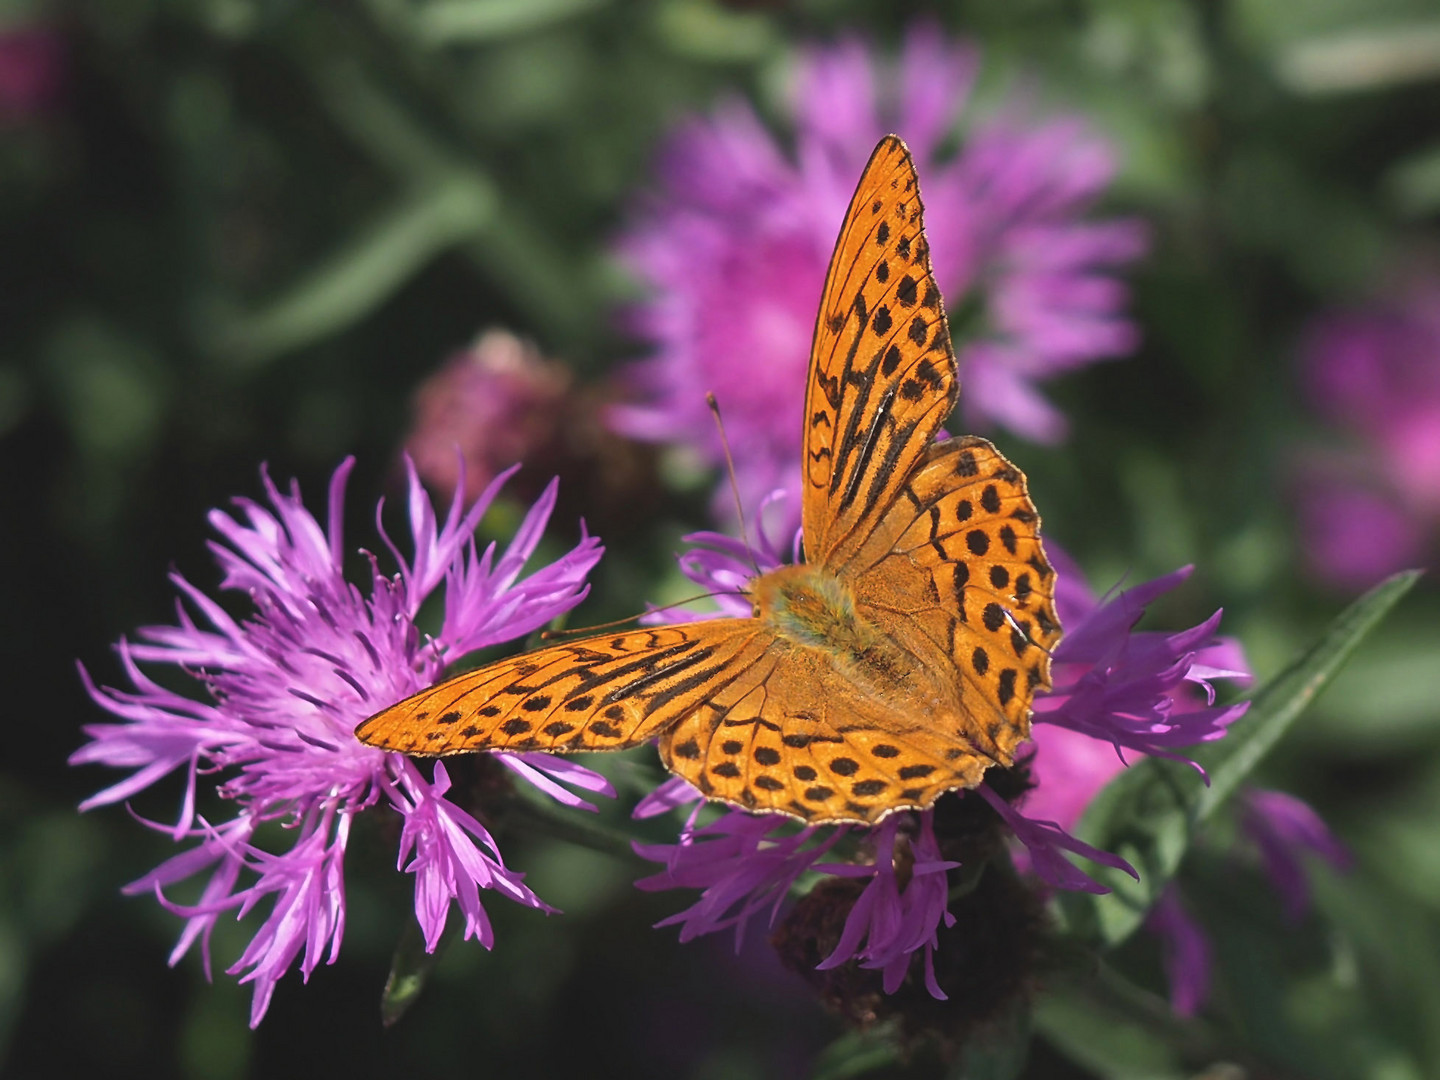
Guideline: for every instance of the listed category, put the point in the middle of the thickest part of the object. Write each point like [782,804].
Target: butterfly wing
[956,574]
[882,369]
[787,736]
[602,693]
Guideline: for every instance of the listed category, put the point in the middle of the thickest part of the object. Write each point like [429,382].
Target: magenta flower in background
[493,405]
[32,70]
[734,245]
[1283,829]
[1186,949]
[1115,689]
[285,689]
[1372,507]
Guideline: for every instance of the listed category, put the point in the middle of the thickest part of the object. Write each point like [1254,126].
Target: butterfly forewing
[602,693]
[882,369]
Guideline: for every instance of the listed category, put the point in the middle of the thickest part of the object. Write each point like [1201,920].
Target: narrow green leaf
[452,22]
[363,274]
[410,970]
[998,1054]
[855,1054]
[1149,813]
[1103,1041]
[1362,59]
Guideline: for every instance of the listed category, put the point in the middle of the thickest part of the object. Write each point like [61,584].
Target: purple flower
[746,863]
[892,920]
[1044,841]
[1126,687]
[735,243]
[1115,688]
[1283,828]
[1373,507]
[497,403]
[1186,950]
[742,862]
[1354,533]
[286,688]
[32,70]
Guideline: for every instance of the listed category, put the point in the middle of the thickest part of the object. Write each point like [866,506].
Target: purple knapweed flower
[735,242]
[1128,687]
[1371,506]
[890,922]
[1115,689]
[742,862]
[285,689]
[745,863]
[1071,762]
[32,70]
[497,402]
[1283,829]
[1186,950]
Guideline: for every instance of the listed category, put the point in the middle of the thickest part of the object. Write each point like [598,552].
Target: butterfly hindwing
[882,368]
[958,558]
[787,737]
[602,693]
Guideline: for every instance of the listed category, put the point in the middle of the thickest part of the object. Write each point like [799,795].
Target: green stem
[548,820]
[1198,1041]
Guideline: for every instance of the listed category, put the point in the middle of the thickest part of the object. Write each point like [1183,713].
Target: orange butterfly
[896,663]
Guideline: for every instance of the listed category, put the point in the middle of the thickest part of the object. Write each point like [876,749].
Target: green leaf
[855,1054]
[452,22]
[470,22]
[1370,58]
[410,970]
[1103,1040]
[998,1054]
[363,274]
[1149,813]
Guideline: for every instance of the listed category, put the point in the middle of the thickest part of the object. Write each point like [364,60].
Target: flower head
[891,919]
[32,70]
[1115,688]
[1373,507]
[735,243]
[491,406]
[743,863]
[1186,947]
[1284,829]
[285,689]
[1127,687]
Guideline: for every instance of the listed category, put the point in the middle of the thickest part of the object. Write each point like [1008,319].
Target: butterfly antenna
[1009,618]
[734,484]
[551,635]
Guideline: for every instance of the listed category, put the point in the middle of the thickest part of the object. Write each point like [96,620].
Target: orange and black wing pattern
[882,369]
[601,693]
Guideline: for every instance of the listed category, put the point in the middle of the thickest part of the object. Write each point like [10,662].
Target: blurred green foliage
[245,229]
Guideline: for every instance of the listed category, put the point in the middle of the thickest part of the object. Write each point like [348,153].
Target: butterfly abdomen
[809,607]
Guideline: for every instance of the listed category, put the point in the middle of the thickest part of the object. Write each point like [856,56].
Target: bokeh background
[236,232]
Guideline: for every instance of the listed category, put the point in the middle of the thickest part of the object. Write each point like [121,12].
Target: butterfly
[898,661]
